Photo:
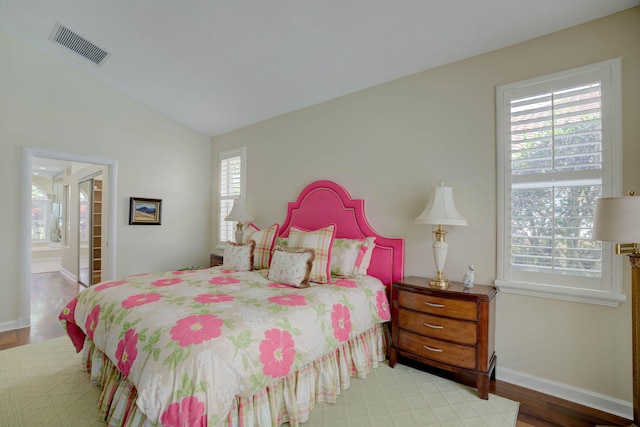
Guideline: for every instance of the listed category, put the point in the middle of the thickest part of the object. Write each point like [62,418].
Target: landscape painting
[144,211]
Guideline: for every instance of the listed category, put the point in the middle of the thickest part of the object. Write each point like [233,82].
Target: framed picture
[144,211]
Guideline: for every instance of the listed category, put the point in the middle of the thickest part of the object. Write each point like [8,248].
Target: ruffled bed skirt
[289,399]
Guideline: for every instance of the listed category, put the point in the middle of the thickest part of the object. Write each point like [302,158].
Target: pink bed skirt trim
[289,399]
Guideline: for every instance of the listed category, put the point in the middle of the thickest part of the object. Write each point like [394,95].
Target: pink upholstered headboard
[324,202]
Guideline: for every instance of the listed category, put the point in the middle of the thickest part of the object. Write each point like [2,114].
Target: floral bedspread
[190,341]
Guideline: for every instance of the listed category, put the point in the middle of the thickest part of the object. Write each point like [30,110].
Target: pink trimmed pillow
[321,241]
[364,256]
[265,240]
[291,267]
[344,255]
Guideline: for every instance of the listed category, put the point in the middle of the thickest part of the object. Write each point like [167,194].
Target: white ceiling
[218,65]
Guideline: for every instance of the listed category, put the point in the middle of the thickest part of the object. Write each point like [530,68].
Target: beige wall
[390,143]
[47,105]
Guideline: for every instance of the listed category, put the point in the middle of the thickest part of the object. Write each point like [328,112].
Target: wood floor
[50,292]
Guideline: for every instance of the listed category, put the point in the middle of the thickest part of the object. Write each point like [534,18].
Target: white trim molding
[598,401]
[609,299]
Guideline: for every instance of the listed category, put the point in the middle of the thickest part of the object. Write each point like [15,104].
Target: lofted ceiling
[219,65]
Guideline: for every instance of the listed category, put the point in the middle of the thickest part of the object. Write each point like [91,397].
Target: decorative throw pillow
[344,255]
[291,267]
[238,256]
[364,257]
[320,241]
[265,240]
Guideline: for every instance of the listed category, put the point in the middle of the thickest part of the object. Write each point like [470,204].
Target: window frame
[43,204]
[223,156]
[609,291]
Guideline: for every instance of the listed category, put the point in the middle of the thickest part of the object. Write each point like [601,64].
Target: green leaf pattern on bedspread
[193,340]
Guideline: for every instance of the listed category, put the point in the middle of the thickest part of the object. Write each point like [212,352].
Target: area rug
[42,384]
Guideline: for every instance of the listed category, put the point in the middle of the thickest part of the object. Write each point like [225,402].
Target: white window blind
[557,149]
[232,186]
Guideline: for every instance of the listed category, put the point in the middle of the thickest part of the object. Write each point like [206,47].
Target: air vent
[78,44]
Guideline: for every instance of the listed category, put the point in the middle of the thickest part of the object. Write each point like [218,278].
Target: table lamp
[440,210]
[239,213]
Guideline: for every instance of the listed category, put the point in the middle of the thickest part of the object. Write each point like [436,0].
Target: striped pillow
[321,241]
[264,244]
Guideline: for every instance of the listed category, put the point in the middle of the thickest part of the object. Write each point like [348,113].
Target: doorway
[106,256]
[90,230]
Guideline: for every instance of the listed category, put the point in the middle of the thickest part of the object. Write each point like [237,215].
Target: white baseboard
[68,275]
[15,324]
[588,398]
[8,326]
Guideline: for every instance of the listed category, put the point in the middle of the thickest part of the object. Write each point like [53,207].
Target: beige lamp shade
[441,209]
[617,219]
[239,211]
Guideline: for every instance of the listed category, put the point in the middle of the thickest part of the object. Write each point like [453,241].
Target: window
[232,186]
[558,150]
[84,220]
[39,214]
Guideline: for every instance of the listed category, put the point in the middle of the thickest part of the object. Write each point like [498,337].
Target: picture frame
[143,211]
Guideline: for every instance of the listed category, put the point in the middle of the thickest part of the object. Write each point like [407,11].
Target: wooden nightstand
[451,329]
[216,259]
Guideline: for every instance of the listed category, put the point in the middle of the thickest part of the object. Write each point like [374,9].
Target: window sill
[563,293]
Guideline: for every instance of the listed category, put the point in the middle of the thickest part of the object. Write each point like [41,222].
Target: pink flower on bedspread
[140,299]
[292,300]
[224,280]
[181,272]
[277,285]
[109,285]
[383,306]
[212,298]
[91,323]
[167,282]
[196,329]
[277,353]
[189,412]
[341,322]
[127,351]
[345,283]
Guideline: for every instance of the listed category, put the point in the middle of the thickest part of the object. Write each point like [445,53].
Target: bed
[230,347]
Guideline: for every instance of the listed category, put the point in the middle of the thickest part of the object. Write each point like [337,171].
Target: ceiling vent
[78,44]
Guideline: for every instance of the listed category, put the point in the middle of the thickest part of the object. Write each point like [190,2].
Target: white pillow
[344,255]
[364,258]
[238,256]
[291,267]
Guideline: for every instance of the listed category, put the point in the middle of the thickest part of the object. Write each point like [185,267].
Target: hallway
[44,265]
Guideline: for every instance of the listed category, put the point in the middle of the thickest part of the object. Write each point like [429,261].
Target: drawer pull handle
[430,304]
[437,350]
[433,326]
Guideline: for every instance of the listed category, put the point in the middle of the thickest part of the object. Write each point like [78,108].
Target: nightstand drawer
[458,309]
[460,331]
[216,259]
[453,354]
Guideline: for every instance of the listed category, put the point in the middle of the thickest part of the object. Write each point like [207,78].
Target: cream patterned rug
[42,384]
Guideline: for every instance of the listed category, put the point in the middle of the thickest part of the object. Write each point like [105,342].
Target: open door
[90,230]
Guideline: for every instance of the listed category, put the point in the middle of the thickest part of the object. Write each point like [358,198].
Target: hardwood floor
[50,292]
